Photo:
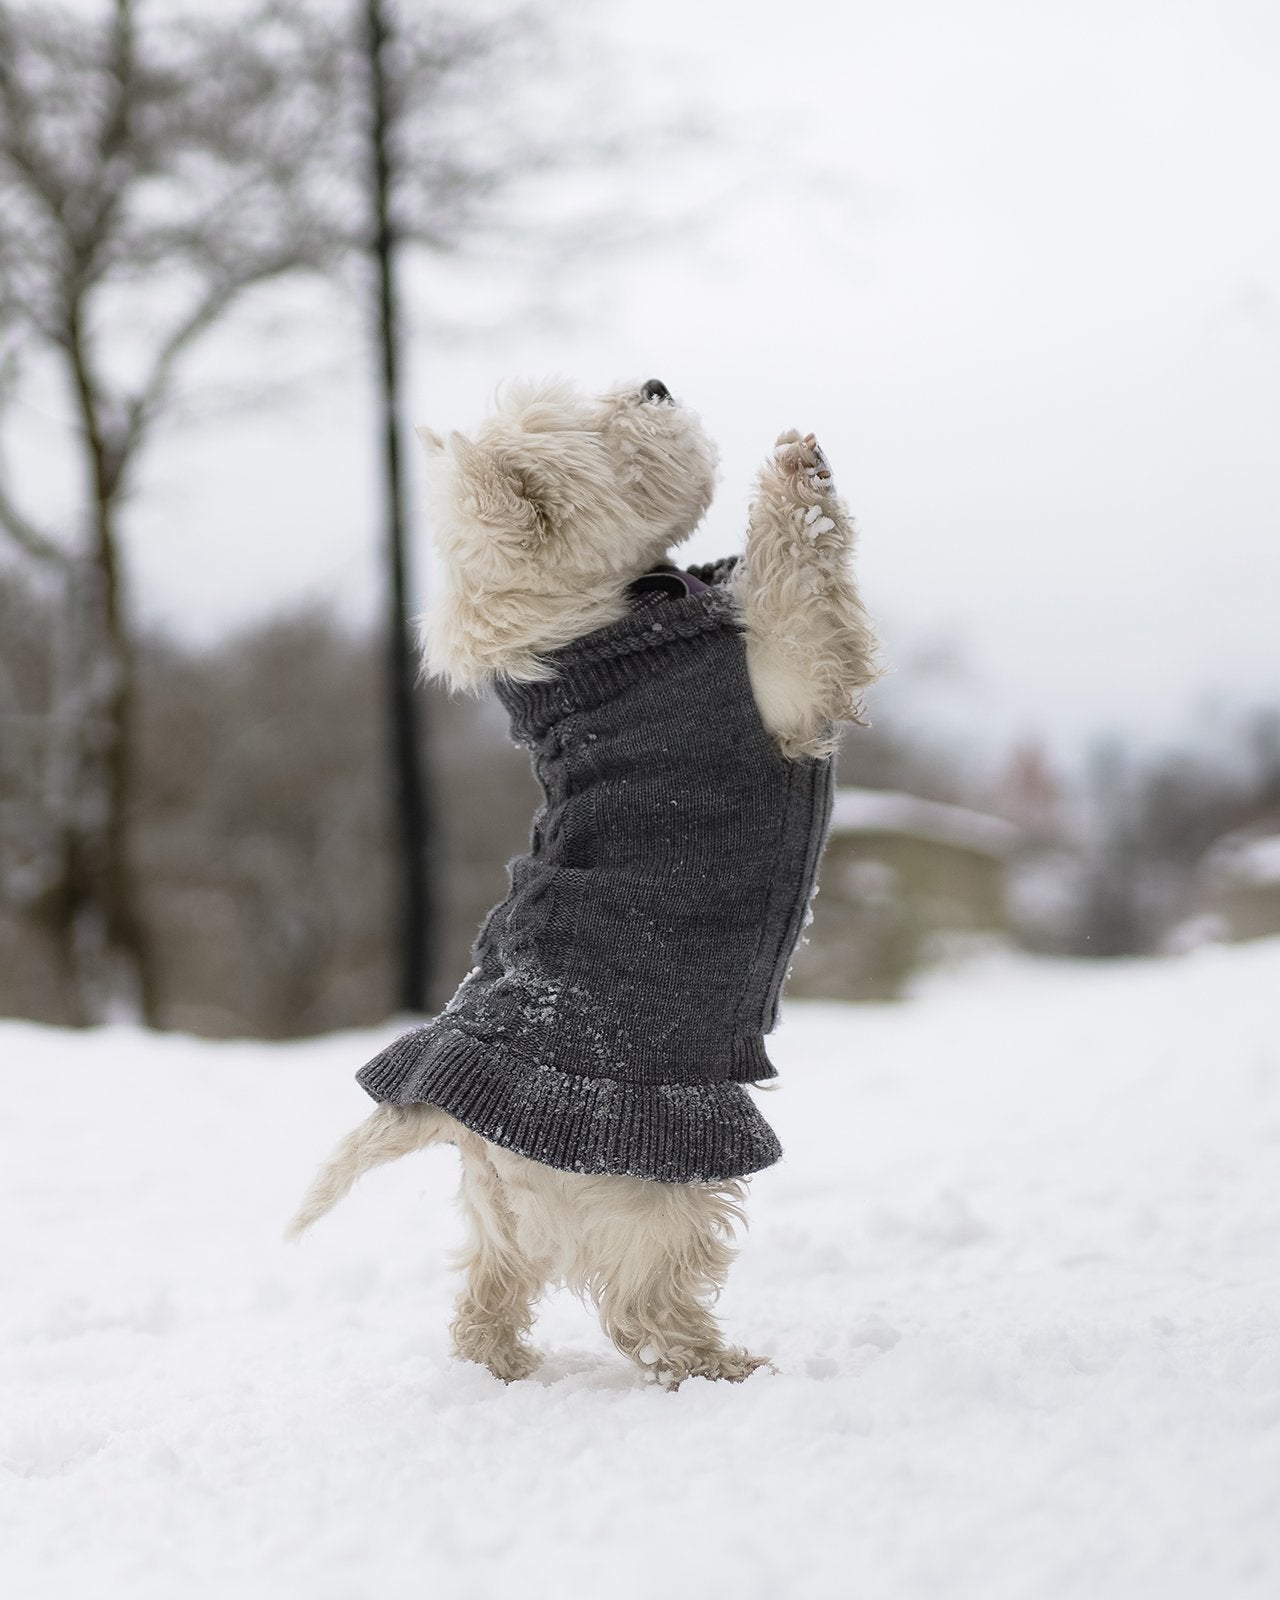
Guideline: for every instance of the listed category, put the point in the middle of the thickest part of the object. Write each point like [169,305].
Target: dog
[594,1068]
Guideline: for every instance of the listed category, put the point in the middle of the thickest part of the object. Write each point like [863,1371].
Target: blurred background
[1018,267]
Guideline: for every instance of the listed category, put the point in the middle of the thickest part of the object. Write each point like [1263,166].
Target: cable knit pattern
[615,1011]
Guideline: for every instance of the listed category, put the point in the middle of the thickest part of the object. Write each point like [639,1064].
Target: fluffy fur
[543,518]
[810,645]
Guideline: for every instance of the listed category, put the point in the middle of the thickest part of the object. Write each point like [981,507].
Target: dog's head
[556,498]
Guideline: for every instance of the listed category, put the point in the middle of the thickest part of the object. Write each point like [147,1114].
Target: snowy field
[1019,1273]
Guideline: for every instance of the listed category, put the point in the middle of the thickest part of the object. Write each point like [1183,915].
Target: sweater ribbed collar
[600,665]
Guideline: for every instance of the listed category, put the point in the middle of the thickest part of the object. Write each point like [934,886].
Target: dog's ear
[493,490]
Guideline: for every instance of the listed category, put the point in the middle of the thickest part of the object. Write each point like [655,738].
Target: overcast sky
[1017,264]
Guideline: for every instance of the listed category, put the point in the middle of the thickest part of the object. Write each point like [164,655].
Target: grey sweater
[615,1011]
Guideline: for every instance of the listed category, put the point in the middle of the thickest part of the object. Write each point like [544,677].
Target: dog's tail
[389,1133]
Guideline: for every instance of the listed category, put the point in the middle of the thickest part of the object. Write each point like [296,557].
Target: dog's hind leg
[657,1265]
[495,1309]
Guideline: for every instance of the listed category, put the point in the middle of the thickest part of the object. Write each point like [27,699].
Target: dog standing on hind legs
[593,1069]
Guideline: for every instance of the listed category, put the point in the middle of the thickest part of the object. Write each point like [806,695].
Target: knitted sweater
[615,1010]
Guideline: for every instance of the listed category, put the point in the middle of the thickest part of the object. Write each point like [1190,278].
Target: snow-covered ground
[1019,1274]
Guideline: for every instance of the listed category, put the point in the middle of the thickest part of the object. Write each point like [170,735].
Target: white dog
[593,1068]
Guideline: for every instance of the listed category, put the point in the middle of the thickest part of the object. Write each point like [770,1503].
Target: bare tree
[157,166]
[432,172]
[150,178]
[417,932]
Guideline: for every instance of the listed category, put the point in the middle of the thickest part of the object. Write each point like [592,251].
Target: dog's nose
[655,390]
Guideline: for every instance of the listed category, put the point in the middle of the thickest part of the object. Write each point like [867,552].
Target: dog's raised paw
[802,457]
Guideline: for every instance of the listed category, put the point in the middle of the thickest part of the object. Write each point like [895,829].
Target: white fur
[810,644]
[651,1257]
[543,517]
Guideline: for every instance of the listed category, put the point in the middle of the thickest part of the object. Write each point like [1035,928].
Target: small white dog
[593,1068]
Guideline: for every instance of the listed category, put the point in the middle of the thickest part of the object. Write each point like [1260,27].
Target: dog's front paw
[797,520]
[797,511]
[801,458]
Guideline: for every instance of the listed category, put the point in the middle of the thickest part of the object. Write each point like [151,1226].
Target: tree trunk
[415,931]
[94,915]
[105,946]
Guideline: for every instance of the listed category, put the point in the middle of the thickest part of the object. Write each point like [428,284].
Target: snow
[1018,1274]
[1245,859]
[886,811]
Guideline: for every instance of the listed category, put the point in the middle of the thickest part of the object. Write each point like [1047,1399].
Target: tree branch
[26,535]
[141,408]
